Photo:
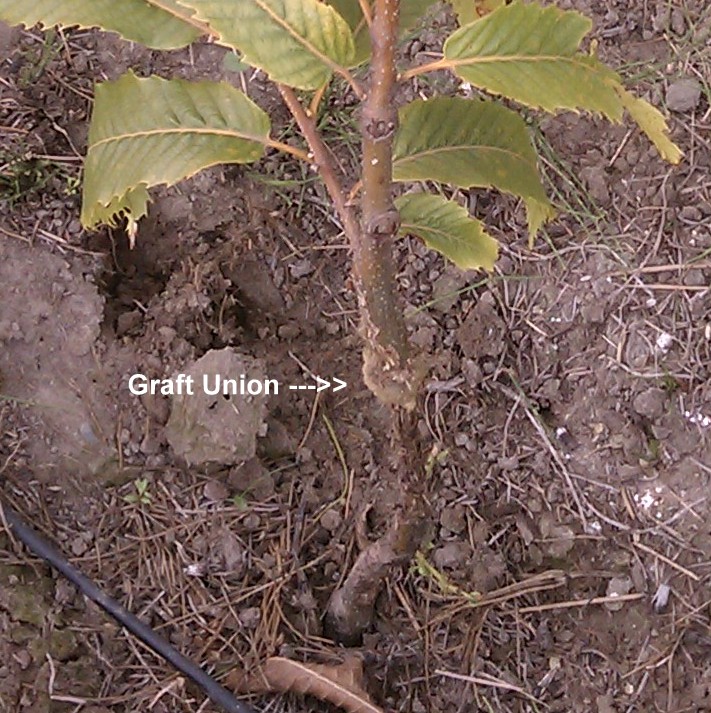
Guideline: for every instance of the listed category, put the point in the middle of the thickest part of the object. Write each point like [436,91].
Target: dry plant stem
[365,9]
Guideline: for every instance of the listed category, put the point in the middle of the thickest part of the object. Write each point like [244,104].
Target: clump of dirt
[218,421]
[49,360]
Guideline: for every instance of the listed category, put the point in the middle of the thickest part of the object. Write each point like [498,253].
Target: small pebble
[684,95]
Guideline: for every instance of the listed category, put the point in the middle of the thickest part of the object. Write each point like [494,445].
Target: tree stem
[386,360]
[389,367]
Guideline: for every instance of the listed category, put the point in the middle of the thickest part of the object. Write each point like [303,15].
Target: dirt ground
[569,408]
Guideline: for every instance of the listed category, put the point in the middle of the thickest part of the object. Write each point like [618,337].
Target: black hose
[37,544]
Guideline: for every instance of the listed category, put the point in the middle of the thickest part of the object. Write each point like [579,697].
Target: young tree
[150,131]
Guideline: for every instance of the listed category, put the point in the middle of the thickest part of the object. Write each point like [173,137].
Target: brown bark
[387,367]
[350,610]
[390,369]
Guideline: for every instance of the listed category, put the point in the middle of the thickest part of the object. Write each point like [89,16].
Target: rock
[445,289]
[691,213]
[331,520]
[487,569]
[127,321]
[605,704]
[253,479]
[451,555]
[217,429]
[472,373]
[23,658]
[79,546]
[231,556]
[424,338]
[684,95]
[678,22]
[559,539]
[301,268]
[256,286]
[277,442]
[616,587]
[454,519]
[595,179]
[482,332]
[650,403]
[289,331]
[215,491]
[250,618]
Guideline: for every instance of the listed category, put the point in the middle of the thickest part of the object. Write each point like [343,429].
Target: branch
[389,369]
[365,9]
[323,160]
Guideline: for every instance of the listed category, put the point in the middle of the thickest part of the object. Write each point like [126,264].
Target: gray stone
[217,429]
[650,403]
[684,95]
[451,555]
[454,518]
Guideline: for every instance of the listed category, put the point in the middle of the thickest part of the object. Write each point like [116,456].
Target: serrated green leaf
[468,142]
[472,10]
[147,132]
[296,42]
[410,13]
[350,11]
[161,24]
[653,124]
[447,227]
[530,53]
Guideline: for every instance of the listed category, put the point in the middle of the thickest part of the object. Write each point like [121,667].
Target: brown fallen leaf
[341,685]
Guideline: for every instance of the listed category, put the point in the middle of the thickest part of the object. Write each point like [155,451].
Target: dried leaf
[341,685]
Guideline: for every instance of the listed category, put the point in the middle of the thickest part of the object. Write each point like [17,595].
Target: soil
[569,410]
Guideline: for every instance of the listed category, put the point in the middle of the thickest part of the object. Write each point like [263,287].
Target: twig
[485,680]
[581,603]
[666,560]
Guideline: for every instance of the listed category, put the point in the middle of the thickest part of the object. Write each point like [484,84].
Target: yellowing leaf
[538,213]
[161,24]
[446,227]
[472,10]
[296,42]
[530,53]
[652,123]
[146,132]
[468,142]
